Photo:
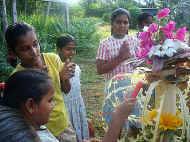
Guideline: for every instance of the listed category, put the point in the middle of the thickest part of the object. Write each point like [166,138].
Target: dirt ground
[92,86]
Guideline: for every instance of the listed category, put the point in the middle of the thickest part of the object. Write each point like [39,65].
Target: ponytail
[11,58]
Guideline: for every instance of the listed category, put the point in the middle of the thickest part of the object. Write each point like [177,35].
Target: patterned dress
[45,135]
[76,107]
[109,49]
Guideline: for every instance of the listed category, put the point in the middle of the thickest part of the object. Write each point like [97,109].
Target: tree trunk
[48,9]
[14,11]
[66,15]
[47,13]
[4,17]
[25,7]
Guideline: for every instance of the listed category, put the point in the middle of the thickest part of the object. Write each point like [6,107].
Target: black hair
[63,40]
[119,11]
[20,86]
[12,34]
[14,128]
[143,17]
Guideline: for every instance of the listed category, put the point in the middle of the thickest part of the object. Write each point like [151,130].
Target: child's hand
[68,70]
[123,110]
[124,52]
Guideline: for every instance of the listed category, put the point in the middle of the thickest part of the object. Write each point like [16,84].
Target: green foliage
[181,12]
[5,68]
[84,31]
[134,16]
[106,17]
[44,30]
[104,10]
[77,11]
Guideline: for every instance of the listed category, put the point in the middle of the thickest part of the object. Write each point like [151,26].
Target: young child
[14,128]
[113,52]
[144,20]
[30,92]
[22,43]
[74,102]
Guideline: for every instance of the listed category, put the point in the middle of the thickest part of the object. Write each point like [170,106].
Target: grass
[92,86]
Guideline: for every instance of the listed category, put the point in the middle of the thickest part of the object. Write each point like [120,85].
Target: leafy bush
[106,17]
[83,29]
[85,33]
[104,10]
[44,30]
[77,11]
[5,68]
[134,16]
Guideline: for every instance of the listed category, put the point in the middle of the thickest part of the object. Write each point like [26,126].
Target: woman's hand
[123,110]
[124,52]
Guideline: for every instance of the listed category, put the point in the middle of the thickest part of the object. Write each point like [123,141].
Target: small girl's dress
[45,135]
[76,107]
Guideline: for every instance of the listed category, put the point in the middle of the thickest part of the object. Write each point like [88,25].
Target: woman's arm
[119,116]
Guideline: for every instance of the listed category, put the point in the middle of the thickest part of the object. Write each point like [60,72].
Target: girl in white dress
[73,100]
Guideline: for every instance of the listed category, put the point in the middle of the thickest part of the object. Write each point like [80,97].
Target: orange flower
[169,121]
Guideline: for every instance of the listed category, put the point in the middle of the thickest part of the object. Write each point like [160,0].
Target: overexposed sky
[67,1]
[76,1]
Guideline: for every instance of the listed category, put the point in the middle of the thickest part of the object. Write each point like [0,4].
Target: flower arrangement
[164,121]
[165,115]
[159,45]
[163,48]
[168,124]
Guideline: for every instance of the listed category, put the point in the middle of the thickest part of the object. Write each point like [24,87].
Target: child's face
[68,51]
[120,25]
[41,111]
[149,21]
[27,49]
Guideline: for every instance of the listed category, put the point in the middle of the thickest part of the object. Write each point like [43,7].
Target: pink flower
[145,44]
[163,13]
[143,52]
[168,29]
[144,36]
[149,62]
[180,34]
[153,28]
